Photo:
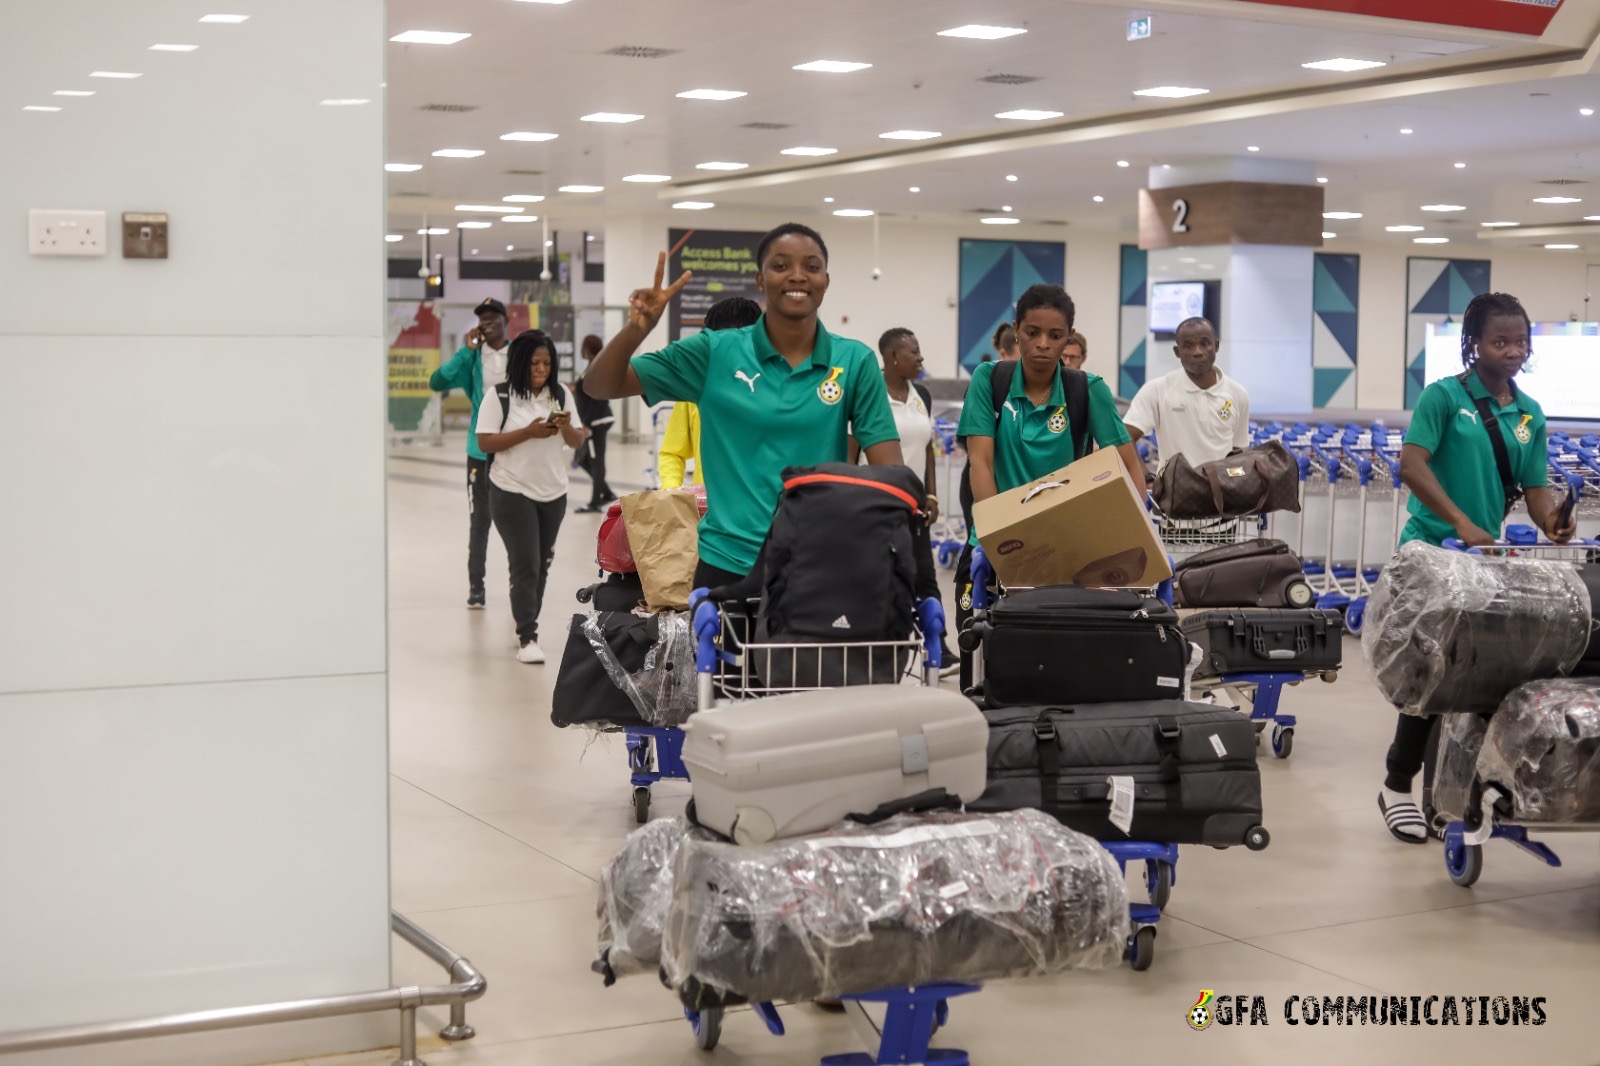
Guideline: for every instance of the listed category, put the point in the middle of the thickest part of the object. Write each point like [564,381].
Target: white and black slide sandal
[1401,816]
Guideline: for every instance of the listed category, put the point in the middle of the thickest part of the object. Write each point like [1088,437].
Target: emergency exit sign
[1139,28]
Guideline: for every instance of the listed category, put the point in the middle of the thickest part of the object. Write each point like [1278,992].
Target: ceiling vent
[526,173]
[410,194]
[984,211]
[1009,79]
[765,126]
[449,109]
[1563,181]
[639,51]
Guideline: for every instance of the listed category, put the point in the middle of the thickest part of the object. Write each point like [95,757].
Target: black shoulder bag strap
[503,390]
[1049,747]
[1497,440]
[1000,387]
[1075,384]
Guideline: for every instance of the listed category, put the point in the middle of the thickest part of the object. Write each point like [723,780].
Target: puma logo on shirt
[1470,414]
[1012,409]
[740,375]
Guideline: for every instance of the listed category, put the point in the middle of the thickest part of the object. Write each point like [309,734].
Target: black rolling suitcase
[1249,641]
[1193,769]
[1066,644]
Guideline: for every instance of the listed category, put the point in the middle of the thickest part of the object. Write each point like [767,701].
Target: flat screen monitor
[1173,301]
[1563,375]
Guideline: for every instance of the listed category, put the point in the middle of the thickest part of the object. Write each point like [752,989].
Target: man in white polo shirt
[1194,412]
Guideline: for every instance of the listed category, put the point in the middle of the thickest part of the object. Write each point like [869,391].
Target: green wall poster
[724,265]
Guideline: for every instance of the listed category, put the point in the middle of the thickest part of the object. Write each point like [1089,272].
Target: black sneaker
[475,601]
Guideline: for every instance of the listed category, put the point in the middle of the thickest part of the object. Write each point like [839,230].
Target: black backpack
[1074,386]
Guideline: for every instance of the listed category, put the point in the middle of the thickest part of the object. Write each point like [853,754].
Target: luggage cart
[1263,692]
[1464,839]
[727,661]
[950,532]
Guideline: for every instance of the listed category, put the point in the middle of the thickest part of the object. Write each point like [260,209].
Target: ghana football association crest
[1522,432]
[831,391]
[1058,420]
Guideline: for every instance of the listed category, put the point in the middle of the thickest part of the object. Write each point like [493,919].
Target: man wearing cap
[478,366]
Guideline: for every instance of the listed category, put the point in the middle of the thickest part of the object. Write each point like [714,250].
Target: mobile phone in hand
[1568,507]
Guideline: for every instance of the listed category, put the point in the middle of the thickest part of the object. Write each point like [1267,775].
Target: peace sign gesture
[645,306]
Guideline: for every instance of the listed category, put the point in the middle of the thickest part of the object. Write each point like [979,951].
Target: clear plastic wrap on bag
[1543,745]
[635,894]
[1447,631]
[665,690]
[913,900]
[1460,741]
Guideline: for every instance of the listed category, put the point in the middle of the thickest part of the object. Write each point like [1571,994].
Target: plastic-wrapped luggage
[913,900]
[635,894]
[1455,775]
[1543,746]
[1448,631]
[621,669]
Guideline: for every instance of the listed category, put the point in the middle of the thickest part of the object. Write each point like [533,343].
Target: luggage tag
[1121,802]
[1217,746]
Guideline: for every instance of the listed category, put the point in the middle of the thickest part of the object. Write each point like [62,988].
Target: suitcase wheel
[707,1027]
[1282,741]
[1354,615]
[1158,879]
[1142,948]
[1299,594]
[1257,838]
[586,594]
[641,804]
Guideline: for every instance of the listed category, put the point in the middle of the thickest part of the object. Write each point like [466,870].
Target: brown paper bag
[663,530]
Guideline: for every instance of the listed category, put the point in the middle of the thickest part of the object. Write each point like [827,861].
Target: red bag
[612,552]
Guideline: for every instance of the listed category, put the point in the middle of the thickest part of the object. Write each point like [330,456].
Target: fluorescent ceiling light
[1000,221]
[1099,199]
[1558,199]
[459,153]
[39,107]
[525,136]
[1461,166]
[1586,218]
[1430,240]
[1026,114]
[1171,92]
[1122,163]
[473,225]
[344,102]
[173,47]
[611,116]
[491,209]
[1402,229]
[1006,208]
[1498,225]
[809,151]
[647,179]
[429,37]
[1443,207]
[1329,235]
[1341,214]
[73,92]
[853,212]
[827,199]
[113,74]
[437,231]
[1406,130]
[1585,111]
[832,66]
[583,188]
[982,33]
[402,168]
[1322,181]
[520,218]
[721,166]
[1011,177]
[1561,247]
[1253,148]
[909,135]
[232,20]
[393,237]
[522,198]
[916,188]
[546,1]
[711,94]
[1344,66]
[693,205]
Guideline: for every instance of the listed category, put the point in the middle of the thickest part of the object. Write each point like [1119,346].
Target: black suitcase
[1193,767]
[1247,641]
[1589,665]
[1066,644]
[584,693]
[1257,573]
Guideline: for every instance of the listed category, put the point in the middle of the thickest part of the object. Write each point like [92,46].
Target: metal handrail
[467,984]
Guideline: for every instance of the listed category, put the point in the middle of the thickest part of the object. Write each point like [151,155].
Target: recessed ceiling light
[1253,148]
[393,237]
[545,1]
[1585,111]
[232,20]
[113,74]
[1123,163]
[1558,199]
[832,66]
[1005,207]
[1328,235]
[1322,181]
[1403,229]
[39,107]
[1406,130]
[1000,221]
[173,47]
[437,231]
[1430,240]
[511,247]
[1341,214]
[1171,92]
[588,236]
[1497,225]
[721,166]
[1343,65]
[583,188]
[611,116]
[474,251]
[73,92]
[491,209]
[344,102]
[520,218]
[1561,247]
[522,135]
[827,199]
[693,205]
[809,151]
[1025,114]
[429,37]
[916,188]
[647,178]
[473,225]
[853,212]
[1099,199]
[711,94]
[522,198]
[402,168]
[1011,177]
[909,135]
[1461,166]
[1443,207]
[982,33]
[459,153]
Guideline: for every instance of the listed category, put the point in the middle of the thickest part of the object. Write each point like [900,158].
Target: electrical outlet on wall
[53,232]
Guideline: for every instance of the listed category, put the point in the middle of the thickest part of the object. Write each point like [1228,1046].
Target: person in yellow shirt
[681,443]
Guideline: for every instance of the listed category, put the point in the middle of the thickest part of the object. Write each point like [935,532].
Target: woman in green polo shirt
[783,392]
[1448,462]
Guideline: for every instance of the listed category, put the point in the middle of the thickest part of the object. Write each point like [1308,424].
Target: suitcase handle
[934,799]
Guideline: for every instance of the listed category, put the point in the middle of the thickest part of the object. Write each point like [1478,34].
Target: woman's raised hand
[646,306]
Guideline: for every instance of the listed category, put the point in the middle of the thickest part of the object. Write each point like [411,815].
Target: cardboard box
[1085,524]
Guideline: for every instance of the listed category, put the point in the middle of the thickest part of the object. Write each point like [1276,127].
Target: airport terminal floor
[502,822]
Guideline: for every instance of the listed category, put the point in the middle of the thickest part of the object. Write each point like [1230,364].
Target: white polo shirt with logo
[1201,424]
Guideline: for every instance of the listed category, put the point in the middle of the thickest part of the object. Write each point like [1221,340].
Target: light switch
[53,232]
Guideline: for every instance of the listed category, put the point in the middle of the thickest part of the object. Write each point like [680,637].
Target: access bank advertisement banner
[724,265]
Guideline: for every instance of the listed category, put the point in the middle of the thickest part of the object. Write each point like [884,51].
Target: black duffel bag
[1255,481]
[584,693]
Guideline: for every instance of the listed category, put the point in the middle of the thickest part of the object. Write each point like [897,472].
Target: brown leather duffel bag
[1254,481]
